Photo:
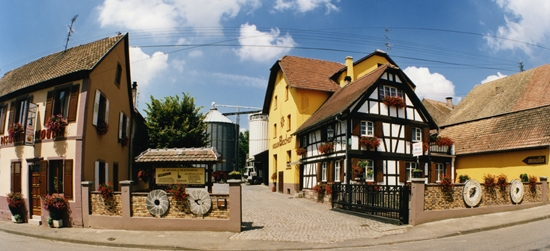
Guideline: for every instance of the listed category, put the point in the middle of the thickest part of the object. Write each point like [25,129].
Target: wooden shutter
[330,171]
[16,177]
[68,179]
[120,124]
[448,169]
[342,170]
[356,127]
[49,106]
[433,173]
[378,132]
[73,103]
[43,178]
[378,170]
[319,178]
[96,107]
[4,110]
[402,171]
[426,135]
[408,133]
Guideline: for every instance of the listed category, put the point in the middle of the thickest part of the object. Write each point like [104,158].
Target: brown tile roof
[307,73]
[197,155]
[524,90]
[343,99]
[79,58]
[438,110]
[516,130]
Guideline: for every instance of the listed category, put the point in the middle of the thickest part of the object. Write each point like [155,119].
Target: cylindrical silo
[257,137]
[223,136]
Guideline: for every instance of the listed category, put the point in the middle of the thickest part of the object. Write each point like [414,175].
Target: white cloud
[168,14]
[178,64]
[305,5]
[263,46]
[493,77]
[145,67]
[526,21]
[240,80]
[430,85]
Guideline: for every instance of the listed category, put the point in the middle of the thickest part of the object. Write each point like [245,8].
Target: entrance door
[281,182]
[38,186]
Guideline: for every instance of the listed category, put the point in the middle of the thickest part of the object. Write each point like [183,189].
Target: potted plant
[124,140]
[57,125]
[369,142]
[394,101]
[15,130]
[301,151]
[102,128]
[234,175]
[524,178]
[143,175]
[106,191]
[219,176]
[16,204]
[417,173]
[443,141]
[326,148]
[489,181]
[57,206]
[446,184]
[463,178]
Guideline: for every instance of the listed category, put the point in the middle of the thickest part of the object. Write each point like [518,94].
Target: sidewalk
[161,240]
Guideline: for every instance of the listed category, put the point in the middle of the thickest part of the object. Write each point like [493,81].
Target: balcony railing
[434,148]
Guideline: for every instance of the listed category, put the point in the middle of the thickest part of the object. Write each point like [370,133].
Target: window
[286,92]
[288,156]
[390,91]
[274,131]
[324,171]
[64,101]
[101,173]
[58,176]
[55,176]
[416,134]
[16,177]
[118,74]
[275,103]
[440,171]
[101,109]
[410,167]
[3,113]
[18,111]
[369,170]
[123,128]
[337,170]
[288,122]
[367,128]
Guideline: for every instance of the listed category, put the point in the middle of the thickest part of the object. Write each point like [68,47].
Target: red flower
[443,141]
[394,101]
[373,142]
[106,190]
[326,147]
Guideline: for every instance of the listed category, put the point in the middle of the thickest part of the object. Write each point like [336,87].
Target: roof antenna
[521,66]
[70,31]
[388,45]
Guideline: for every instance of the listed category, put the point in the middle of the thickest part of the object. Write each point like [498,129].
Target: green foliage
[243,149]
[175,122]
[524,178]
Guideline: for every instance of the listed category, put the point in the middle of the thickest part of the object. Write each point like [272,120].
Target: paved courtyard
[279,217]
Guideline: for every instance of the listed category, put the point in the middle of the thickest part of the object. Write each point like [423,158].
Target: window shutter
[342,170]
[448,169]
[43,178]
[127,122]
[330,171]
[4,111]
[354,162]
[68,179]
[12,114]
[319,178]
[106,172]
[402,171]
[73,103]
[96,107]
[96,178]
[106,111]
[379,166]
[408,133]
[433,173]
[378,132]
[120,124]
[49,107]
[426,135]
[356,127]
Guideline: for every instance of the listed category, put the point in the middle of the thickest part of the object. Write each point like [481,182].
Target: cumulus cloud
[154,15]
[262,46]
[493,77]
[305,5]
[523,22]
[146,67]
[430,85]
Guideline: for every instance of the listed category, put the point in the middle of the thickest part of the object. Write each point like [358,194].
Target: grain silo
[257,138]
[223,136]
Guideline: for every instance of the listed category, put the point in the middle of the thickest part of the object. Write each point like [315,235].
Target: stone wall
[110,207]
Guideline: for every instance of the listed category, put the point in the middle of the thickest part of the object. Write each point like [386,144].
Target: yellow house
[501,127]
[297,88]
[88,88]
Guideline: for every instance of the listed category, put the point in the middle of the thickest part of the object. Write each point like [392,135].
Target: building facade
[89,88]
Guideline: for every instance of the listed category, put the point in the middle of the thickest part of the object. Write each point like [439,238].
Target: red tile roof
[79,58]
[197,155]
[307,73]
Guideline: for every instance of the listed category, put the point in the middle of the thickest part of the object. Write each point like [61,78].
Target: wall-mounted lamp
[330,134]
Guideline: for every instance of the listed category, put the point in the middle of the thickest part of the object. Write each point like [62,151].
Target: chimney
[449,102]
[349,66]
[134,94]
[347,80]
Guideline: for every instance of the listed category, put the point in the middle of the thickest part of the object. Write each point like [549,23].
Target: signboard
[417,149]
[535,160]
[29,131]
[188,176]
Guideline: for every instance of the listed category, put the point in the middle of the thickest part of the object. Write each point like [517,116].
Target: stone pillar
[86,206]
[416,206]
[126,199]
[235,205]
[544,184]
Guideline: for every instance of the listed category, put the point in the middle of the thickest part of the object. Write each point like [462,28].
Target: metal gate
[380,200]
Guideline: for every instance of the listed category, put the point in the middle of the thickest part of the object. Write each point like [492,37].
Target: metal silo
[257,138]
[223,136]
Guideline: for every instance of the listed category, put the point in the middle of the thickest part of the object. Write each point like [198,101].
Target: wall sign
[188,176]
[535,160]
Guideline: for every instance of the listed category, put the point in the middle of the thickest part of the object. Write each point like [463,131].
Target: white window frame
[410,167]
[123,123]
[367,128]
[387,90]
[98,95]
[370,166]
[324,171]
[440,171]
[416,134]
[96,177]
[337,170]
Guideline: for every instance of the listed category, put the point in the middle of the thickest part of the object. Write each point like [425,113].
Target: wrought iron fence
[381,200]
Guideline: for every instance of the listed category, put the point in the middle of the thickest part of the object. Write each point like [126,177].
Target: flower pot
[57,223]
[18,220]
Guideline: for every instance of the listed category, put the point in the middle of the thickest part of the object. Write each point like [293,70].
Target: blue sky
[221,50]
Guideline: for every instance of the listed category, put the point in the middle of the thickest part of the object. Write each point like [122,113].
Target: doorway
[38,187]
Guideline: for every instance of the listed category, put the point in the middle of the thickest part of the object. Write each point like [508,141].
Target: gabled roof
[180,155]
[515,130]
[438,110]
[71,61]
[377,52]
[524,90]
[303,73]
[343,99]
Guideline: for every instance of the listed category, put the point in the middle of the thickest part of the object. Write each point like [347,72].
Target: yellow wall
[363,68]
[508,163]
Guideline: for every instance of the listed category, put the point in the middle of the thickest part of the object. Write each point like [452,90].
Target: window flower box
[102,128]
[394,101]
[301,151]
[326,148]
[15,131]
[57,125]
[369,142]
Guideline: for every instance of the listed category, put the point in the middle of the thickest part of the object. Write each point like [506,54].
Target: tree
[243,149]
[175,123]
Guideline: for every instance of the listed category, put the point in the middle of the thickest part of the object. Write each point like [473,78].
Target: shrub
[463,178]
[319,188]
[178,191]
[106,190]
[524,178]
[489,181]
[447,184]
[533,183]
[15,200]
[502,181]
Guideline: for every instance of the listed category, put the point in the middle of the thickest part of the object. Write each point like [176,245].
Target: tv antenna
[70,31]
[388,45]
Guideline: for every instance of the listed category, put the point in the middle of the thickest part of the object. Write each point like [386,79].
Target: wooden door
[281,182]
[35,193]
